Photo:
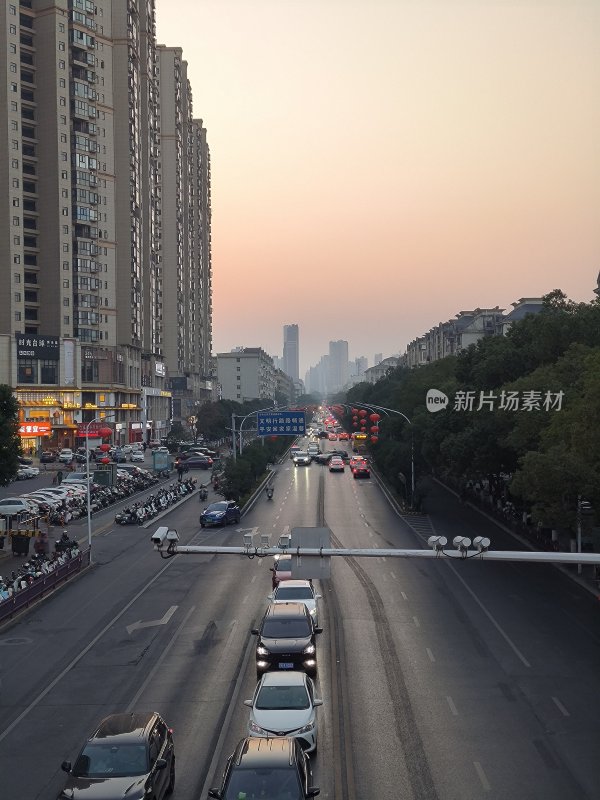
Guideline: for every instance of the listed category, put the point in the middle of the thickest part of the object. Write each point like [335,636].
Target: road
[450,680]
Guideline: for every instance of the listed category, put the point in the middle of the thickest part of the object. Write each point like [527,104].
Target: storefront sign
[35,429]
[44,347]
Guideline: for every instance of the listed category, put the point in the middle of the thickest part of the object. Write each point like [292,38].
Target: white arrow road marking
[135,626]
[253,531]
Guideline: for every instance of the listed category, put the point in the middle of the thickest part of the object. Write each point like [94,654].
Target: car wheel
[237,519]
[202,525]
[171,786]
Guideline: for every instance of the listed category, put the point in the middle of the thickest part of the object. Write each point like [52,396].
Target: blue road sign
[281,423]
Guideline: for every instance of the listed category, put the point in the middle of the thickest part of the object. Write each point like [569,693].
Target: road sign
[281,423]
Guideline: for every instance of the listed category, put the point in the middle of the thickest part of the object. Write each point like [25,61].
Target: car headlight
[312,612]
[261,650]
[254,728]
[308,727]
[309,650]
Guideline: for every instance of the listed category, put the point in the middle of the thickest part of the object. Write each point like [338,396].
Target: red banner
[28,429]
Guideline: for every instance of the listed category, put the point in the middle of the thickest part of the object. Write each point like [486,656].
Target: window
[64,192]
[17,316]
[66,301]
[61,46]
[15,183]
[16,259]
[12,10]
[62,83]
[15,163]
[61,27]
[16,202]
[66,320]
[27,370]
[14,106]
[65,265]
[65,284]
[17,277]
[16,240]
[13,47]
[61,64]
[62,101]
[49,372]
[14,144]
[65,229]
[13,67]
[13,87]
[13,30]
[65,247]
[65,213]
[63,138]
[16,221]
[17,297]
[64,175]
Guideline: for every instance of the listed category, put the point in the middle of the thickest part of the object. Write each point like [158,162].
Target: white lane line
[496,625]
[404,595]
[366,524]
[482,777]
[416,621]
[159,661]
[452,706]
[560,707]
[393,576]
[83,653]
[245,600]
[253,579]
[371,534]
[430,654]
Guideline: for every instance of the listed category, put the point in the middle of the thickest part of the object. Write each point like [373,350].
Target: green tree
[10,444]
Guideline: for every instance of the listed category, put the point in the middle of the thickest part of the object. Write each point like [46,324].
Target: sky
[379,166]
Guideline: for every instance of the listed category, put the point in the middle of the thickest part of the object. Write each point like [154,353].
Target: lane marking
[560,707]
[393,576]
[430,654]
[482,777]
[453,708]
[416,621]
[82,654]
[253,579]
[404,595]
[161,658]
[152,623]
[244,599]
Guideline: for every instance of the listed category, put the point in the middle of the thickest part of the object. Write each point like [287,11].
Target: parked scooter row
[154,504]
[37,567]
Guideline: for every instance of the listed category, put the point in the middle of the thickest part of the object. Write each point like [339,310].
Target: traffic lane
[193,678]
[445,619]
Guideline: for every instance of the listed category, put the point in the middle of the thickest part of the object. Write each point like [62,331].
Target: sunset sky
[379,166]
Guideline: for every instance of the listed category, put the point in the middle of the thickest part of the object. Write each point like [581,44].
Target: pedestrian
[144,446]
[180,471]
[59,477]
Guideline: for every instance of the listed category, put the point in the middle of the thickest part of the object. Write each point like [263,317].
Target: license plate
[286,665]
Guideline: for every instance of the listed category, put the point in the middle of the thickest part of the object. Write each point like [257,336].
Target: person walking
[59,477]
[180,471]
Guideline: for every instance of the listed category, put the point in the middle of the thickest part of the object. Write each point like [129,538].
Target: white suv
[65,456]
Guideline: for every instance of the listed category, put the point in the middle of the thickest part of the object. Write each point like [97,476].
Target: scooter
[203,495]
[269,492]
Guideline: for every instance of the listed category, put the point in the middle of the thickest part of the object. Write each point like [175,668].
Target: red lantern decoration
[374,439]
[105,448]
[374,417]
[355,424]
[363,424]
[362,413]
[355,411]
[374,429]
[105,433]
[105,460]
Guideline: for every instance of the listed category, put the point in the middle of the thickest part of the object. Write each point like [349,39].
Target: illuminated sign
[35,429]
[45,347]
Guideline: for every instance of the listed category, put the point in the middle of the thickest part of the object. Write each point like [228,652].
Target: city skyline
[424,160]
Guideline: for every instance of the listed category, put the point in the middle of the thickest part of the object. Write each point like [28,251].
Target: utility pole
[233,438]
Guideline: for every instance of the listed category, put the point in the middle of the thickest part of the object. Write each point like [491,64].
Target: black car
[194,461]
[322,435]
[286,639]
[131,755]
[118,456]
[25,461]
[221,513]
[81,455]
[48,457]
[276,767]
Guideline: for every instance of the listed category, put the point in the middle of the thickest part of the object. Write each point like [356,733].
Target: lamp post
[269,408]
[412,441]
[87,463]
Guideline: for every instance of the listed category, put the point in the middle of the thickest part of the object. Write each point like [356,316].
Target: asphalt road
[440,679]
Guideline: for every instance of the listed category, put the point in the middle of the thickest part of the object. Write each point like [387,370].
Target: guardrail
[23,599]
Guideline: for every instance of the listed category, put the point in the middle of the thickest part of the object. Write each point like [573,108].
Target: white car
[137,456]
[127,449]
[302,459]
[336,464]
[11,506]
[27,472]
[297,591]
[284,704]
[65,456]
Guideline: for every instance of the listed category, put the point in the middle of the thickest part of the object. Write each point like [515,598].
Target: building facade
[247,373]
[291,351]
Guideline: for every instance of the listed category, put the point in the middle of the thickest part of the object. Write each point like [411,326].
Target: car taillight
[171,731]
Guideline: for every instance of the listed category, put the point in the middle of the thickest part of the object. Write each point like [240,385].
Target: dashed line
[371,534]
[560,707]
[404,595]
[453,708]
[253,579]
[482,777]
[416,621]
[244,600]
[393,576]
[430,654]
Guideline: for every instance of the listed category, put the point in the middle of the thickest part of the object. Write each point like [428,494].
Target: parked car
[276,767]
[154,443]
[76,477]
[130,755]
[27,472]
[11,506]
[81,455]
[284,704]
[136,456]
[127,448]
[119,456]
[48,457]
[25,461]
[194,461]
[65,456]
[221,513]
[286,639]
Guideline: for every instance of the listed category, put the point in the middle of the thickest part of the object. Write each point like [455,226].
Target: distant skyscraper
[338,365]
[378,358]
[361,364]
[291,351]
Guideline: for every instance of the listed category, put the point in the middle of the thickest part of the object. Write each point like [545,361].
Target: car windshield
[286,628]
[111,761]
[274,784]
[301,454]
[274,698]
[294,593]
[222,506]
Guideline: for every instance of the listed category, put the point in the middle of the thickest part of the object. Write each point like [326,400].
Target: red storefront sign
[30,429]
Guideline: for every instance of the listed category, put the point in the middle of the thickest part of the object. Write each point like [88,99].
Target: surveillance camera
[481,543]
[172,535]
[461,542]
[247,540]
[159,536]
[284,541]
[265,540]
[437,542]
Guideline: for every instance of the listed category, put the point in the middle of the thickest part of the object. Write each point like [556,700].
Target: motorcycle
[269,492]
[203,495]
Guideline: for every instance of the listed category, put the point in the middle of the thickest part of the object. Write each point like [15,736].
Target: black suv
[286,639]
[276,768]
[129,754]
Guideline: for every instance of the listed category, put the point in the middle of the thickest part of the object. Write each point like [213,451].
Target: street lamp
[87,462]
[233,431]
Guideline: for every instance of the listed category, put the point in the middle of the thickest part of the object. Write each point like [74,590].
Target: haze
[379,166]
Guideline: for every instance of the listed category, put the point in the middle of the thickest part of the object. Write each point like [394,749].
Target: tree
[10,443]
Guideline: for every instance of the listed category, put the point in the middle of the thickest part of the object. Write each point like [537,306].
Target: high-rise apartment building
[291,351]
[85,127]
[246,373]
[338,365]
